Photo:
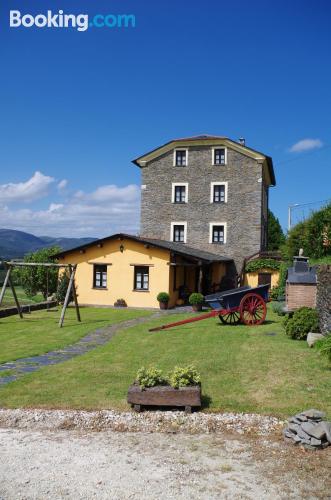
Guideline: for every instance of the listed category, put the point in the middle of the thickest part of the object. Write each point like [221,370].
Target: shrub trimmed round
[196,299]
[163,297]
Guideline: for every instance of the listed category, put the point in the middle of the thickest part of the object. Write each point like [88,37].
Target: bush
[258,264]
[303,321]
[120,303]
[163,297]
[62,288]
[150,377]
[282,279]
[183,376]
[273,294]
[196,299]
[324,346]
[278,308]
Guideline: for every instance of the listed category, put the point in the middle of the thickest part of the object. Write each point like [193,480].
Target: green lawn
[8,299]
[242,369]
[38,332]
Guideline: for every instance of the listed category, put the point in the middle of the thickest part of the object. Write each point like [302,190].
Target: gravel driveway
[80,464]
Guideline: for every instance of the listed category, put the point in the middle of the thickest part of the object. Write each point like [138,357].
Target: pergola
[9,266]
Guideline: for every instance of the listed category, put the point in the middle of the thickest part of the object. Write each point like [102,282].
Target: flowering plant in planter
[180,389]
[163,298]
[196,300]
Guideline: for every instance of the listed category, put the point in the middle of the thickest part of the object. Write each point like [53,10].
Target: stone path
[92,340]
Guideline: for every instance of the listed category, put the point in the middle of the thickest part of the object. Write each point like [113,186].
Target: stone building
[203,210]
[209,193]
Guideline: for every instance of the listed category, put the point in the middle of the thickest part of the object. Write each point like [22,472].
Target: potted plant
[181,388]
[196,300]
[163,298]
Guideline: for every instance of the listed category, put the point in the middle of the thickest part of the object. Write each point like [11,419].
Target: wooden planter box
[187,397]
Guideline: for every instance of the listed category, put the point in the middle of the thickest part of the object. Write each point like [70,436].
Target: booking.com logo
[80,21]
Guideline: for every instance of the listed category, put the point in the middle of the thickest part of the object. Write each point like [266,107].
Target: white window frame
[180,149]
[225,156]
[180,223]
[211,224]
[173,191]
[212,185]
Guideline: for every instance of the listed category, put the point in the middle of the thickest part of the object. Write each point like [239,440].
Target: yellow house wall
[120,273]
[252,279]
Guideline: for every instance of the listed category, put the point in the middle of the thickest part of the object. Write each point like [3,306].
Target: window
[219,156]
[99,276]
[179,192]
[218,192]
[217,233]
[180,195]
[180,157]
[178,232]
[141,278]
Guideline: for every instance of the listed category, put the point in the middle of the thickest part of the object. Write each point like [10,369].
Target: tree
[276,236]
[312,234]
[37,279]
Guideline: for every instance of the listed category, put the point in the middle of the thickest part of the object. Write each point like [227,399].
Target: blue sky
[77,107]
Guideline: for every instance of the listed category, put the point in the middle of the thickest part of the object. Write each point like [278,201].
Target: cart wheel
[188,409]
[253,309]
[231,318]
[137,408]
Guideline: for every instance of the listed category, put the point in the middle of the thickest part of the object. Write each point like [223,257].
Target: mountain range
[15,244]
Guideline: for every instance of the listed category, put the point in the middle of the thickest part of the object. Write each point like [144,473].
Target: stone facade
[245,212]
[324,297]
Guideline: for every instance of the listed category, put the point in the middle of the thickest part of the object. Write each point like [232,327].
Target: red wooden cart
[240,305]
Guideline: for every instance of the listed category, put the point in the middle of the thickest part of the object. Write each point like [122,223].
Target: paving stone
[315,430]
[327,427]
[293,427]
[313,414]
[303,435]
[315,442]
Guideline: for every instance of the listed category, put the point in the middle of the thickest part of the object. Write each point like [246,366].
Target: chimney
[242,141]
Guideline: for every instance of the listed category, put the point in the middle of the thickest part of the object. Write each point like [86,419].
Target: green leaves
[303,321]
[258,264]
[196,298]
[181,376]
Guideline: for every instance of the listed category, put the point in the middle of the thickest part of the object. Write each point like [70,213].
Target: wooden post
[75,295]
[66,300]
[200,279]
[5,283]
[11,284]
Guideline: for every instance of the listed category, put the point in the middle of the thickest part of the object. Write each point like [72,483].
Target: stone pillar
[323,299]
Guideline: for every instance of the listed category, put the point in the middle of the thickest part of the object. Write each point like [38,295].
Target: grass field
[249,369]
[39,332]
[8,299]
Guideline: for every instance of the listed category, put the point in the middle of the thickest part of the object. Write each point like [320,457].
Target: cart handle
[210,314]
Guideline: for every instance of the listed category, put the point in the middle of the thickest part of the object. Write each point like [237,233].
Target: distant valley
[15,244]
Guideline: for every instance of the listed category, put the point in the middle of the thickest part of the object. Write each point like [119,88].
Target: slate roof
[178,248]
[301,273]
[213,137]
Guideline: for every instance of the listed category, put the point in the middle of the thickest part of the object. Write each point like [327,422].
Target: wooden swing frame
[71,286]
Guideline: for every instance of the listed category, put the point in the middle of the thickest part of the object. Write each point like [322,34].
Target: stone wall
[242,212]
[324,297]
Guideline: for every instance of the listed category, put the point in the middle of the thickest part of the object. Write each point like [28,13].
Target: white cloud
[62,185]
[107,210]
[33,189]
[306,145]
